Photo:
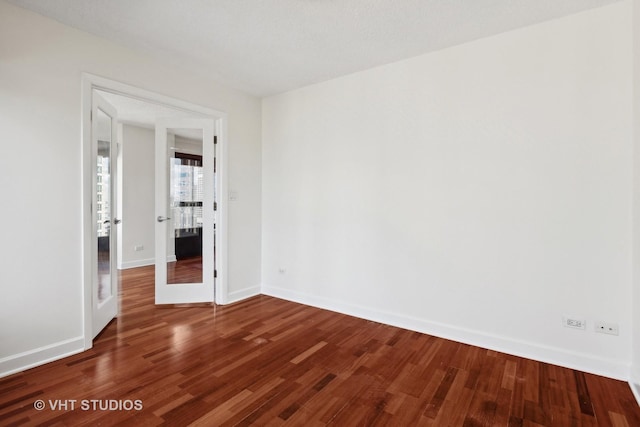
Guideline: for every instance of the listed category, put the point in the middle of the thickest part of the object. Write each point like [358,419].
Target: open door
[185,211]
[105,152]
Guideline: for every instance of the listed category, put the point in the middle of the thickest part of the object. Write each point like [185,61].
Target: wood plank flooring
[266,361]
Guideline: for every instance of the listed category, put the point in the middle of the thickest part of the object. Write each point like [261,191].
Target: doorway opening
[139,111]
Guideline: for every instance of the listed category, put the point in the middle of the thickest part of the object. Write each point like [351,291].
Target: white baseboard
[137,263]
[635,389]
[29,359]
[39,356]
[547,354]
[243,294]
[143,262]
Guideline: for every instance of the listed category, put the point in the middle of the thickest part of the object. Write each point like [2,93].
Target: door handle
[163,218]
[117,221]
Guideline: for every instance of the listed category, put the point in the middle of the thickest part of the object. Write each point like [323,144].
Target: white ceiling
[269,46]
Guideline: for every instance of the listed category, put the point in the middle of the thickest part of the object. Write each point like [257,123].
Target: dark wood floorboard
[266,361]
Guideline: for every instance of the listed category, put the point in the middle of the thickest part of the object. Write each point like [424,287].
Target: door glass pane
[103,205]
[185,207]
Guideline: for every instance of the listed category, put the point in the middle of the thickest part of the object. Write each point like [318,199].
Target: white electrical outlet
[606,328]
[138,248]
[573,322]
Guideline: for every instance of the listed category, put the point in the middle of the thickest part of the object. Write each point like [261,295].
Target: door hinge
[215,206]
[215,139]
[215,274]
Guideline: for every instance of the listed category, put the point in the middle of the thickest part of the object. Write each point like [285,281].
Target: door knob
[117,221]
[163,218]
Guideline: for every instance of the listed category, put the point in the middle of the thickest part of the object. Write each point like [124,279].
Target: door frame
[91,82]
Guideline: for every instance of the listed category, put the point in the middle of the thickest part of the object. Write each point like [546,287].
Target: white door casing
[91,83]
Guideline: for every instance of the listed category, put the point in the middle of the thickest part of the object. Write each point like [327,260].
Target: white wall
[635,327]
[138,194]
[477,193]
[41,64]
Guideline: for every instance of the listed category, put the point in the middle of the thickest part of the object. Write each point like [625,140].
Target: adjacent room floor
[266,361]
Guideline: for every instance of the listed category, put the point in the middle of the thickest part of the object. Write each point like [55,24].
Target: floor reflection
[104,272]
[187,270]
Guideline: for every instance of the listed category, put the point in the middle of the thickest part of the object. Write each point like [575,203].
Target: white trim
[635,389]
[143,262]
[245,293]
[86,178]
[119,193]
[89,82]
[221,281]
[39,356]
[529,350]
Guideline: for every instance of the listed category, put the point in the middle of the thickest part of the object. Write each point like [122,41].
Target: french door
[185,211]
[105,224]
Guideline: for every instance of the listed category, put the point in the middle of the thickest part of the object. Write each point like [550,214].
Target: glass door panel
[186,195]
[185,210]
[103,208]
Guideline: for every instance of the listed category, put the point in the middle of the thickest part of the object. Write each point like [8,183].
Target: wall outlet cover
[606,328]
[574,322]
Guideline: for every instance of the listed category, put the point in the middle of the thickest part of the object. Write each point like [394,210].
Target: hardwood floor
[266,361]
